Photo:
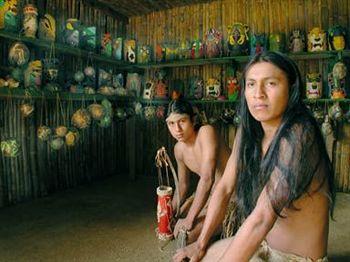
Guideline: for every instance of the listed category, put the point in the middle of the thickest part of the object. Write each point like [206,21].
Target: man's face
[180,126]
[266,92]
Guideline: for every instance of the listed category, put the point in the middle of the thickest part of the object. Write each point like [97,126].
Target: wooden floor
[112,220]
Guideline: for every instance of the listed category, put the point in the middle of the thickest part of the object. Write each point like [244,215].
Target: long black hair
[294,179]
[183,106]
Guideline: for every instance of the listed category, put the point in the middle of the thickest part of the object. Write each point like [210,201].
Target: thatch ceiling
[128,8]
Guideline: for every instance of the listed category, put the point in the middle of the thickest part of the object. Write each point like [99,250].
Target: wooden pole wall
[39,170]
[268,16]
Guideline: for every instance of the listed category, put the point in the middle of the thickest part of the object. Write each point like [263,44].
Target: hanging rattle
[164,192]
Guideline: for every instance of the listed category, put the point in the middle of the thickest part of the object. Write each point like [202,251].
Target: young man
[198,150]
[279,173]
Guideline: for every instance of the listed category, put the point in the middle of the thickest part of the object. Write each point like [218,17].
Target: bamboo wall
[191,22]
[39,170]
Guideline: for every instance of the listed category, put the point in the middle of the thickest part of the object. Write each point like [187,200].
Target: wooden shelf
[243,59]
[61,48]
[327,100]
[167,101]
[207,101]
[20,93]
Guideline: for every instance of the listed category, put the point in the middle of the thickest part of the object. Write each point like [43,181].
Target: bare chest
[193,159]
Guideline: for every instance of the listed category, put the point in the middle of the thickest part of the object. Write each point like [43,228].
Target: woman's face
[180,126]
[267,93]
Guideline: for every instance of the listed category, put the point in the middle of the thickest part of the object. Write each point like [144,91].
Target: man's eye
[250,84]
[271,83]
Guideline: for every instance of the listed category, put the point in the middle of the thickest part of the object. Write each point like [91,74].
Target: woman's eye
[271,83]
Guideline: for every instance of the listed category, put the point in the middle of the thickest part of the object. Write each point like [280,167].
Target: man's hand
[182,224]
[193,252]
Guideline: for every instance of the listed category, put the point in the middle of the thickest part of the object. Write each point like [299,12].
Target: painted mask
[313,85]
[159,53]
[237,43]
[30,22]
[316,40]
[11,18]
[133,84]
[233,88]
[170,52]
[184,50]
[104,77]
[196,88]
[337,80]
[161,91]
[213,43]
[148,91]
[130,51]
[19,54]
[160,112]
[118,48]
[32,75]
[88,38]
[336,38]
[118,80]
[47,28]
[277,42]
[71,32]
[258,43]
[197,49]
[9,5]
[212,88]
[106,45]
[297,41]
[143,54]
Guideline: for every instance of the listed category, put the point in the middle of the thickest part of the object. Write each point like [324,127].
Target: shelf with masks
[206,101]
[242,59]
[327,101]
[62,48]
[192,101]
[21,93]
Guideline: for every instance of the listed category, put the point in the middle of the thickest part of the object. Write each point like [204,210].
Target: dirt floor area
[111,220]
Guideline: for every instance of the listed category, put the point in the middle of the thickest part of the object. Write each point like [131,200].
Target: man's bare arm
[209,148]
[183,175]
[252,232]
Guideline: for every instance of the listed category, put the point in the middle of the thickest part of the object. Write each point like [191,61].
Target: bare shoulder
[207,132]
[178,151]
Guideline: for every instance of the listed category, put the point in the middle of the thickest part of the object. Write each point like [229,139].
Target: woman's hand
[193,252]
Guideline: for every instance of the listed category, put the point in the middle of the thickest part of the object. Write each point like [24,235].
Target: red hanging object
[164,212]
[165,193]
